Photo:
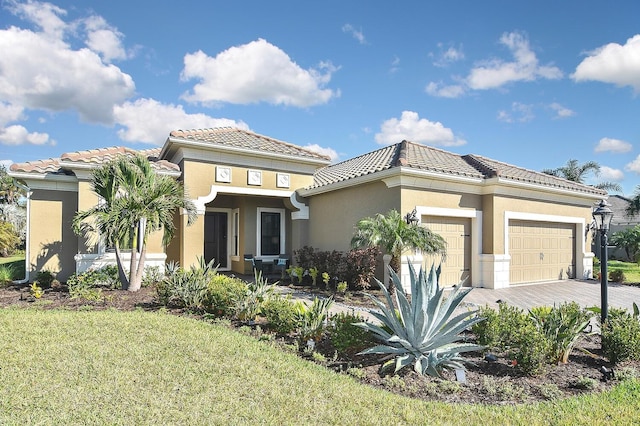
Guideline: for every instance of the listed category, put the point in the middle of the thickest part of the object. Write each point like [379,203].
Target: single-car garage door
[457,233]
[541,251]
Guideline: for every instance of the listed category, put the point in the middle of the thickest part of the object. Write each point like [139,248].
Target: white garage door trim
[580,222]
[476,234]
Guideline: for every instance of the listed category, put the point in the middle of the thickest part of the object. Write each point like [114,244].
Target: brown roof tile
[238,138]
[93,157]
[421,157]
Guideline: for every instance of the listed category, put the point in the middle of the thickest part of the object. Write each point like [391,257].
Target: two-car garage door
[541,251]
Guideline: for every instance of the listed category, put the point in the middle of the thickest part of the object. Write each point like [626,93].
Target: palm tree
[627,239]
[136,201]
[579,172]
[634,203]
[393,235]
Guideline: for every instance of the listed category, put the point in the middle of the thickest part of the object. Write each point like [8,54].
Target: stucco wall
[333,215]
[200,176]
[52,243]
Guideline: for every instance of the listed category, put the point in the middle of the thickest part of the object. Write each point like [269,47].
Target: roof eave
[211,146]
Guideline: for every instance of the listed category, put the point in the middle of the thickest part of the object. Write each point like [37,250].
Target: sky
[533,84]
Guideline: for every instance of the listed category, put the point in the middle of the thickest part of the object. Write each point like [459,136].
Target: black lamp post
[602,214]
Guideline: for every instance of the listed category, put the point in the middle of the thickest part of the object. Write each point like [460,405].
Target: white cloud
[415,129]
[609,174]
[357,34]
[104,39]
[520,113]
[633,166]
[329,152]
[149,121]
[495,73]
[6,163]
[9,113]
[39,70]
[613,63]
[561,111]
[44,15]
[256,72]
[447,56]
[442,91]
[613,145]
[19,135]
[395,65]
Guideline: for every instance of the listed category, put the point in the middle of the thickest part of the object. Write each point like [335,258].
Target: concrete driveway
[585,292]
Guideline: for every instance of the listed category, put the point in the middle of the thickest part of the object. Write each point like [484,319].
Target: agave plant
[423,331]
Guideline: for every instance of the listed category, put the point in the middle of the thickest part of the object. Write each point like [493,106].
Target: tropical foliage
[422,331]
[393,235]
[135,202]
[579,173]
[627,239]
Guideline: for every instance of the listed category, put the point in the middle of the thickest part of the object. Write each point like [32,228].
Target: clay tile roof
[238,138]
[93,157]
[493,168]
[421,157]
[404,154]
[49,166]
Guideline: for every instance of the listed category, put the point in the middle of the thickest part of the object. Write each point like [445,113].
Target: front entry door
[215,238]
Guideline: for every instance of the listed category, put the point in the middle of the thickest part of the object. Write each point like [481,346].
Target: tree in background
[12,210]
[135,202]
[627,240]
[393,235]
[578,173]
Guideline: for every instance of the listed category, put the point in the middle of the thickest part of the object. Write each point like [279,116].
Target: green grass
[631,270]
[109,367]
[16,263]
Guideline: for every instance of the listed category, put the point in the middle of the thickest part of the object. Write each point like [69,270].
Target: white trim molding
[201,201]
[583,257]
[477,276]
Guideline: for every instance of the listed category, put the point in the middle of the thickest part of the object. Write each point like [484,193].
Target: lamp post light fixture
[602,214]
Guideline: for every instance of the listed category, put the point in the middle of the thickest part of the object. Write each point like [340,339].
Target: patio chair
[256,264]
[281,264]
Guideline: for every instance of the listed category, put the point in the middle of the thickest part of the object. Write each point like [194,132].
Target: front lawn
[112,367]
[631,270]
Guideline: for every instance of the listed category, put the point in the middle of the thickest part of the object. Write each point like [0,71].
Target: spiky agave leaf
[423,332]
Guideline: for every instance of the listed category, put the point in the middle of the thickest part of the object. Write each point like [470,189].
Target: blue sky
[533,84]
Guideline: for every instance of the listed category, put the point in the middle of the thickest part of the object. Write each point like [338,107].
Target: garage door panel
[457,233]
[541,251]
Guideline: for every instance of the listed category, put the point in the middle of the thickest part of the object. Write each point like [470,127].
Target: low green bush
[222,295]
[498,329]
[621,337]
[346,337]
[563,326]
[281,314]
[45,278]
[530,349]
[617,276]
[7,274]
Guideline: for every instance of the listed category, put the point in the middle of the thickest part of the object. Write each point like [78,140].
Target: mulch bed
[496,382]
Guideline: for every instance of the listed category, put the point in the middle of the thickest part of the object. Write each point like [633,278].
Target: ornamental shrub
[281,314]
[621,337]
[223,294]
[345,336]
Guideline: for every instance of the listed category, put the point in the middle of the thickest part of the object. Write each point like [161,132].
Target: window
[271,232]
[235,250]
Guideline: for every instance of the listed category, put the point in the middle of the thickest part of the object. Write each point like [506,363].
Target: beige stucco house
[503,224]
